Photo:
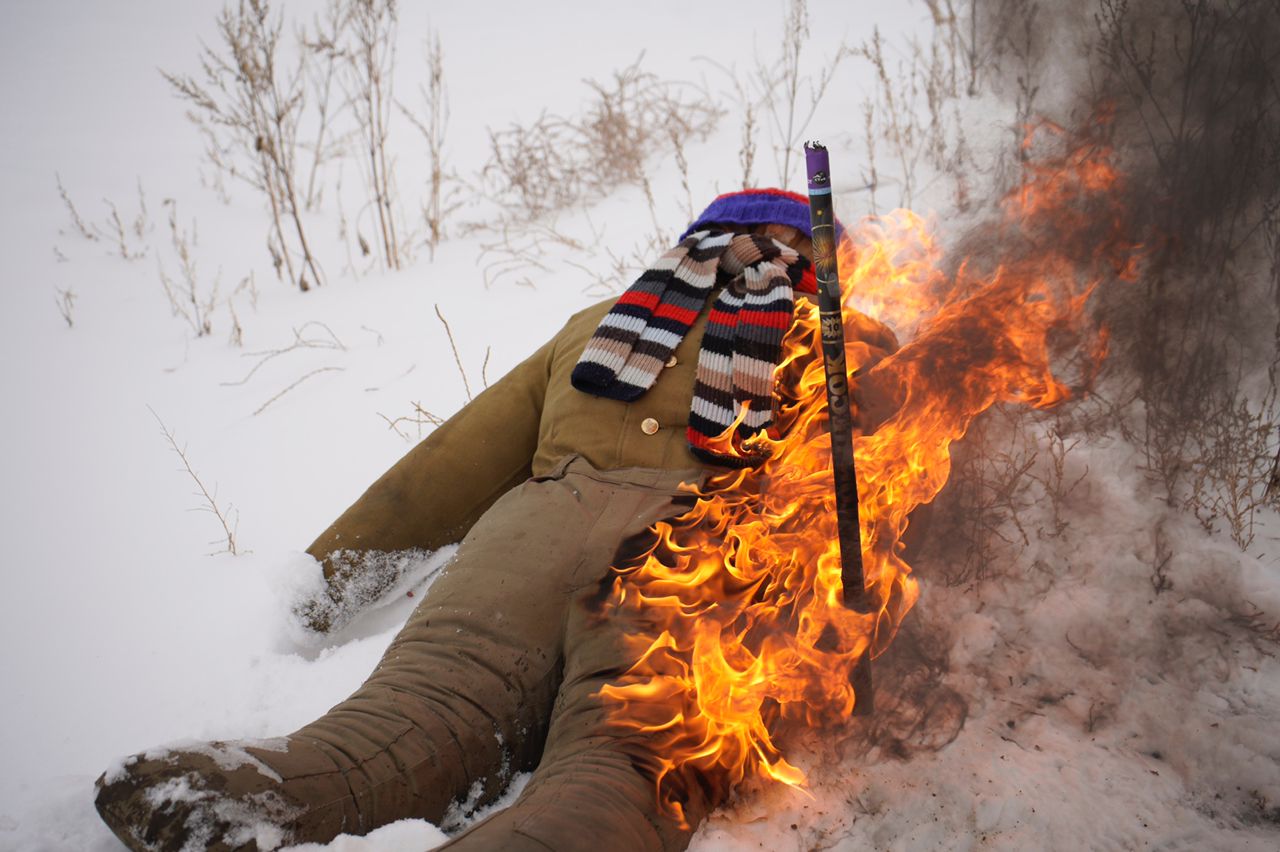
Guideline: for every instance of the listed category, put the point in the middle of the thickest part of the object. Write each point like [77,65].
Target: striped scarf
[740,348]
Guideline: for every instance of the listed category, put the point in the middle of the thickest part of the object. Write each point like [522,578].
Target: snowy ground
[1100,713]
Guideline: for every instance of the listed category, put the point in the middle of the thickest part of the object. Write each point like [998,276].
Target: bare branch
[248,108]
[65,301]
[210,503]
[454,346]
[302,379]
[300,341]
[81,227]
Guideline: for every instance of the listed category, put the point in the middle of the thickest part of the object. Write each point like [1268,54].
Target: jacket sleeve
[432,496]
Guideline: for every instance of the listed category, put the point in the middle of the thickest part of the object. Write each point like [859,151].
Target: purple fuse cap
[818,164]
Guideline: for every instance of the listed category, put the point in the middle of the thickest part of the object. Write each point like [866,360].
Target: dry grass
[1231,466]
[304,377]
[444,190]
[553,164]
[248,106]
[512,250]
[457,359]
[65,299]
[308,336]
[128,240]
[188,298]
[777,97]
[421,420]
[916,111]
[781,84]
[978,524]
[556,162]
[76,219]
[367,72]
[321,44]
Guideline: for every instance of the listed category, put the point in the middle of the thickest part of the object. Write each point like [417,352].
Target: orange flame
[737,607]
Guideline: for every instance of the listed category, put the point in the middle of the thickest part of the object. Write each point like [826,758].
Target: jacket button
[649,426]
[672,361]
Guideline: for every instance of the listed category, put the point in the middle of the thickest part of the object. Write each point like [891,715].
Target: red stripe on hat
[794,196]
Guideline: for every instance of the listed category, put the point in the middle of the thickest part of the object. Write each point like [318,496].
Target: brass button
[672,361]
[649,426]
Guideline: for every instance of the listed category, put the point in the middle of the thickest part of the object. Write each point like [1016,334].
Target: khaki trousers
[493,674]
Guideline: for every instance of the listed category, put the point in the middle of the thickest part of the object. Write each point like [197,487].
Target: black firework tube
[840,417]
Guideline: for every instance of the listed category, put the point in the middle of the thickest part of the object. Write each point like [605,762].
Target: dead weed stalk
[229,519]
[249,106]
[185,294]
[556,162]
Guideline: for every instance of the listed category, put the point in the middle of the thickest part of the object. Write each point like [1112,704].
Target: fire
[739,628]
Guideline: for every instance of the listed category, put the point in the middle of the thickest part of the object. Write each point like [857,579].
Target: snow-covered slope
[1100,713]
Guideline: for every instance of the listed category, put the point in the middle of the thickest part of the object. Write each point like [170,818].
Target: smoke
[1185,97]
[1197,96]
[1192,91]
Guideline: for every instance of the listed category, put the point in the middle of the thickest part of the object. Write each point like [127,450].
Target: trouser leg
[463,694]
[596,785]
[461,697]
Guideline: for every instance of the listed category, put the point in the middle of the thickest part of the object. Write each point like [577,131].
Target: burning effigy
[649,587]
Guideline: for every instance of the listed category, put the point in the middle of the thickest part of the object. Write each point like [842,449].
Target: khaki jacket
[521,427]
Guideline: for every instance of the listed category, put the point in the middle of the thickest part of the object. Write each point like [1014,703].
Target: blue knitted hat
[758,207]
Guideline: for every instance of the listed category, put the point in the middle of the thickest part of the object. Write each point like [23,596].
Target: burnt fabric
[740,349]
[496,670]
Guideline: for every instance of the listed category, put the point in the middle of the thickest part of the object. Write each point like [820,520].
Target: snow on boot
[214,796]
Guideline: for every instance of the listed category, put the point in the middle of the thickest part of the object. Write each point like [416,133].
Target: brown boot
[217,796]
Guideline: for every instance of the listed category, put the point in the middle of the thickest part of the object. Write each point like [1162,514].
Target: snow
[407,835]
[1098,711]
